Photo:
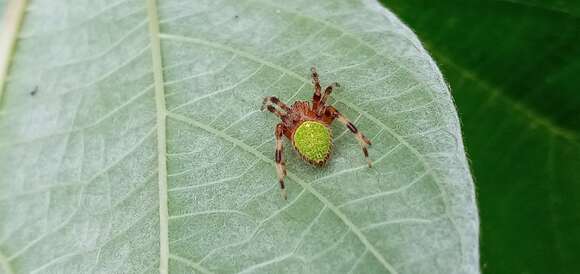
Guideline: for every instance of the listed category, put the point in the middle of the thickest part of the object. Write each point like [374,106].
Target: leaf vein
[256,230]
[190,264]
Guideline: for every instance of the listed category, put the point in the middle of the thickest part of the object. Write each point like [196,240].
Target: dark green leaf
[513,67]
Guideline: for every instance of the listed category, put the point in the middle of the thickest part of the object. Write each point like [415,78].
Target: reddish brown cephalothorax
[307,125]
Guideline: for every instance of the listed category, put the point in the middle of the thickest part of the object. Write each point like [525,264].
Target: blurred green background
[514,71]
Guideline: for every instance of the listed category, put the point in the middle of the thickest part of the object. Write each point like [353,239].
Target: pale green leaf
[143,146]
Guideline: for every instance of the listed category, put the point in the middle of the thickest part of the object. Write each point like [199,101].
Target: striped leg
[364,142]
[327,92]
[317,95]
[270,102]
[280,164]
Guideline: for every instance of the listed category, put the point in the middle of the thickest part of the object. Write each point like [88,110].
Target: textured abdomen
[313,141]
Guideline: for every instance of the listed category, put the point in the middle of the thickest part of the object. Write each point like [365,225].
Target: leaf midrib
[161,114]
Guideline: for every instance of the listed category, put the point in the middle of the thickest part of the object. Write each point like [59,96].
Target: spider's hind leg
[280,164]
[364,141]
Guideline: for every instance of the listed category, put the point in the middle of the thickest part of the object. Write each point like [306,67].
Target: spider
[308,127]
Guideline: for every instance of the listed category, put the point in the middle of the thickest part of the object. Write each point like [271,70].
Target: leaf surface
[143,147]
[2,7]
[513,68]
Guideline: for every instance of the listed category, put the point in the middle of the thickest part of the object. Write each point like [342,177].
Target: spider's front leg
[317,95]
[280,164]
[327,92]
[270,102]
[364,141]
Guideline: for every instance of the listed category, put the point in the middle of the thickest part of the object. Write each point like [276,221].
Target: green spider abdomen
[313,140]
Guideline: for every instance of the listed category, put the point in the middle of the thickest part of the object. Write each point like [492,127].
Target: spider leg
[270,102]
[274,100]
[364,141]
[327,92]
[280,164]
[317,95]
